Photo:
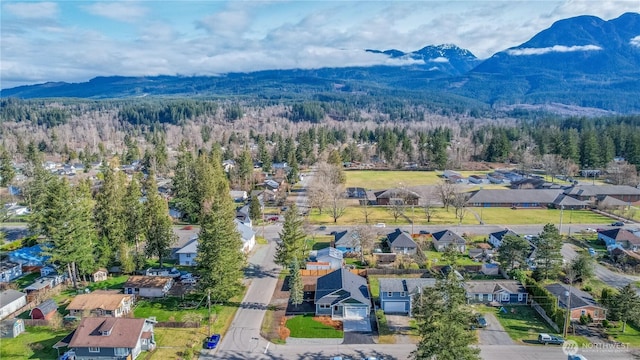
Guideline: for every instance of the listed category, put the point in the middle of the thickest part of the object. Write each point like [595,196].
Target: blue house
[342,294]
[331,256]
[401,242]
[495,238]
[9,270]
[619,238]
[396,294]
[346,241]
[497,291]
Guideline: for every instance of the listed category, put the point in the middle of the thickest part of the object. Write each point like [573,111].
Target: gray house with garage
[396,294]
[342,294]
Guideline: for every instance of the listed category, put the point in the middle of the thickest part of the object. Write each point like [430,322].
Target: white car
[380,225]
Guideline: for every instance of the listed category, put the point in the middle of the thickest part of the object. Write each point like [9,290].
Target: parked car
[590,230]
[550,339]
[273,218]
[380,225]
[322,228]
[592,252]
[212,341]
[481,321]
[424,232]
[618,223]
[188,281]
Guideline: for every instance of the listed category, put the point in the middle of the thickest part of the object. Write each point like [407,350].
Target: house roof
[599,190]
[47,307]
[448,237]
[328,252]
[410,286]
[9,296]
[191,247]
[579,298]
[492,286]
[496,196]
[40,283]
[619,234]
[246,233]
[340,285]
[340,238]
[399,238]
[566,200]
[501,234]
[396,193]
[125,333]
[7,265]
[147,282]
[97,301]
[611,201]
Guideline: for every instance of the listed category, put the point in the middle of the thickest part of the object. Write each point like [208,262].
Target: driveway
[399,324]
[494,333]
[357,331]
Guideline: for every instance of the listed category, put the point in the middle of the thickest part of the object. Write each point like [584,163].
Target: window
[403,294]
[490,297]
[389,294]
[121,351]
[94,349]
[505,297]
[325,306]
[583,312]
[188,255]
[520,297]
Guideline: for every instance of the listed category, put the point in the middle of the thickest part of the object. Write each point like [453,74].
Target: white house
[187,253]
[148,286]
[10,301]
[496,238]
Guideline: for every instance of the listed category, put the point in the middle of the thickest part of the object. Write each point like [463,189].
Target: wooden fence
[178,324]
[36,322]
[305,272]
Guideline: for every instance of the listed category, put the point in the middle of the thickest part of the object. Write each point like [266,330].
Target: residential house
[44,311]
[346,241]
[228,165]
[238,195]
[41,286]
[445,238]
[498,291]
[242,214]
[396,294]
[13,209]
[524,198]
[595,193]
[619,237]
[396,197]
[495,238]
[356,192]
[100,275]
[28,256]
[112,338]
[9,270]
[247,235]
[11,328]
[477,179]
[271,185]
[10,301]
[401,242]
[580,303]
[48,270]
[98,303]
[264,196]
[481,255]
[342,294]
[187,253]
[327,258]
[148,286]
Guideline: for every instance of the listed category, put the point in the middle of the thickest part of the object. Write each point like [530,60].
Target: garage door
[394,307]
[355,313]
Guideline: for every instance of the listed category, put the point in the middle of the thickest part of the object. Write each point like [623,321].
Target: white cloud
[119,11]
[635,41]
[40,10]
[440,59]
[555,48]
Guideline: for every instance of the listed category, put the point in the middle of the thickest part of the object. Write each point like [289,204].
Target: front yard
[35,343]
[522,323]
[630,337]
[306,326]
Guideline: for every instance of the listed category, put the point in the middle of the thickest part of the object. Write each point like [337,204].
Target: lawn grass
[436,259]
[35,343]
[318,242]
[26,280]
[112,283]
[522,323]
[353,215]
[175,343]
[373,179]
[261,241]
[385,336]
[630,337]
[509,216]
[303,326]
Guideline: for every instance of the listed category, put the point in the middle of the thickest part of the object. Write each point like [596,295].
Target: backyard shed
[44,311]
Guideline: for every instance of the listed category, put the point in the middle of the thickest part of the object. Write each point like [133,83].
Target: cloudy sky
[77,40]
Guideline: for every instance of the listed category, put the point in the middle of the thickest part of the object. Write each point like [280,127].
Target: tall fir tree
[159,235]
[513,252]
[296,285]
[255,209]
[183,185]
[110,212]
[220,261]
[291,245]
[442,318]
[626,306]
[548,256]
[7,173]
[135,230]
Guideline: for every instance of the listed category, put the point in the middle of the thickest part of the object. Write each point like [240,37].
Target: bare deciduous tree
[622,173]
[363,238]
[459,203]
[446,192]
[337,203]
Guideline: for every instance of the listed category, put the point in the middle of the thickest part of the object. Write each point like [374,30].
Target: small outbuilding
[99,275]
[11,328]
[44,311]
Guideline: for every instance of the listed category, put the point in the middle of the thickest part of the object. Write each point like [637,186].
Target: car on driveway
[212,341]
[618,223]
[481,321]
[550,339]
[380,225]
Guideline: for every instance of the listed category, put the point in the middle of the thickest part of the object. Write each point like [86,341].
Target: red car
[273,218]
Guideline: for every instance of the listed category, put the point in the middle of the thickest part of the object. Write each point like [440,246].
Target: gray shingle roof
[396,193]
[447,237]
[47,307]
[500,234]
[579,298]
[620,234]
[491,286]
[340,285]
[9,296]
[496,196]
[409,286]
[599,190]
[343,238]
[399,238]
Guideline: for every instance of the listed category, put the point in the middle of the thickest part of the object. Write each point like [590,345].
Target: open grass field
[176,343]
[522,323]
[304,326]
[35,343]
[509,216]
[373,179]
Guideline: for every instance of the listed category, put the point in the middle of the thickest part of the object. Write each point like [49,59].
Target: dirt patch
[326,320]
[275,329]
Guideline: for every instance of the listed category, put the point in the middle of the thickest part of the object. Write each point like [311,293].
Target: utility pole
[209,318]
[561,213]
[567,319]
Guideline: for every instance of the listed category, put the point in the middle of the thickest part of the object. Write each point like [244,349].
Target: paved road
[494,333]
[609,277]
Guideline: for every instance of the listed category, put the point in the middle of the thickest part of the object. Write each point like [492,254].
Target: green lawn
[261,241]
[35,343]
[318,242]
[389,179]
[26,280]
[353,215]
[522,323]
[436,259]
[509,216]
[112,282]
[303,326]
[631,334]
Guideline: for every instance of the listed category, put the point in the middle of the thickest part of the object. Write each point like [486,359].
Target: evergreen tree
[296,285]
[184,198]
[548,256]
[220,261]
[626,306]
[584,266]
[135,223]
[443,318]
[7,173]
[291,245]
[255,211]
[110,212]
[513,252]
[159,229]
[245,170]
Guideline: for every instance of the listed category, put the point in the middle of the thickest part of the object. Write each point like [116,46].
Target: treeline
[36,112]
[173,112]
